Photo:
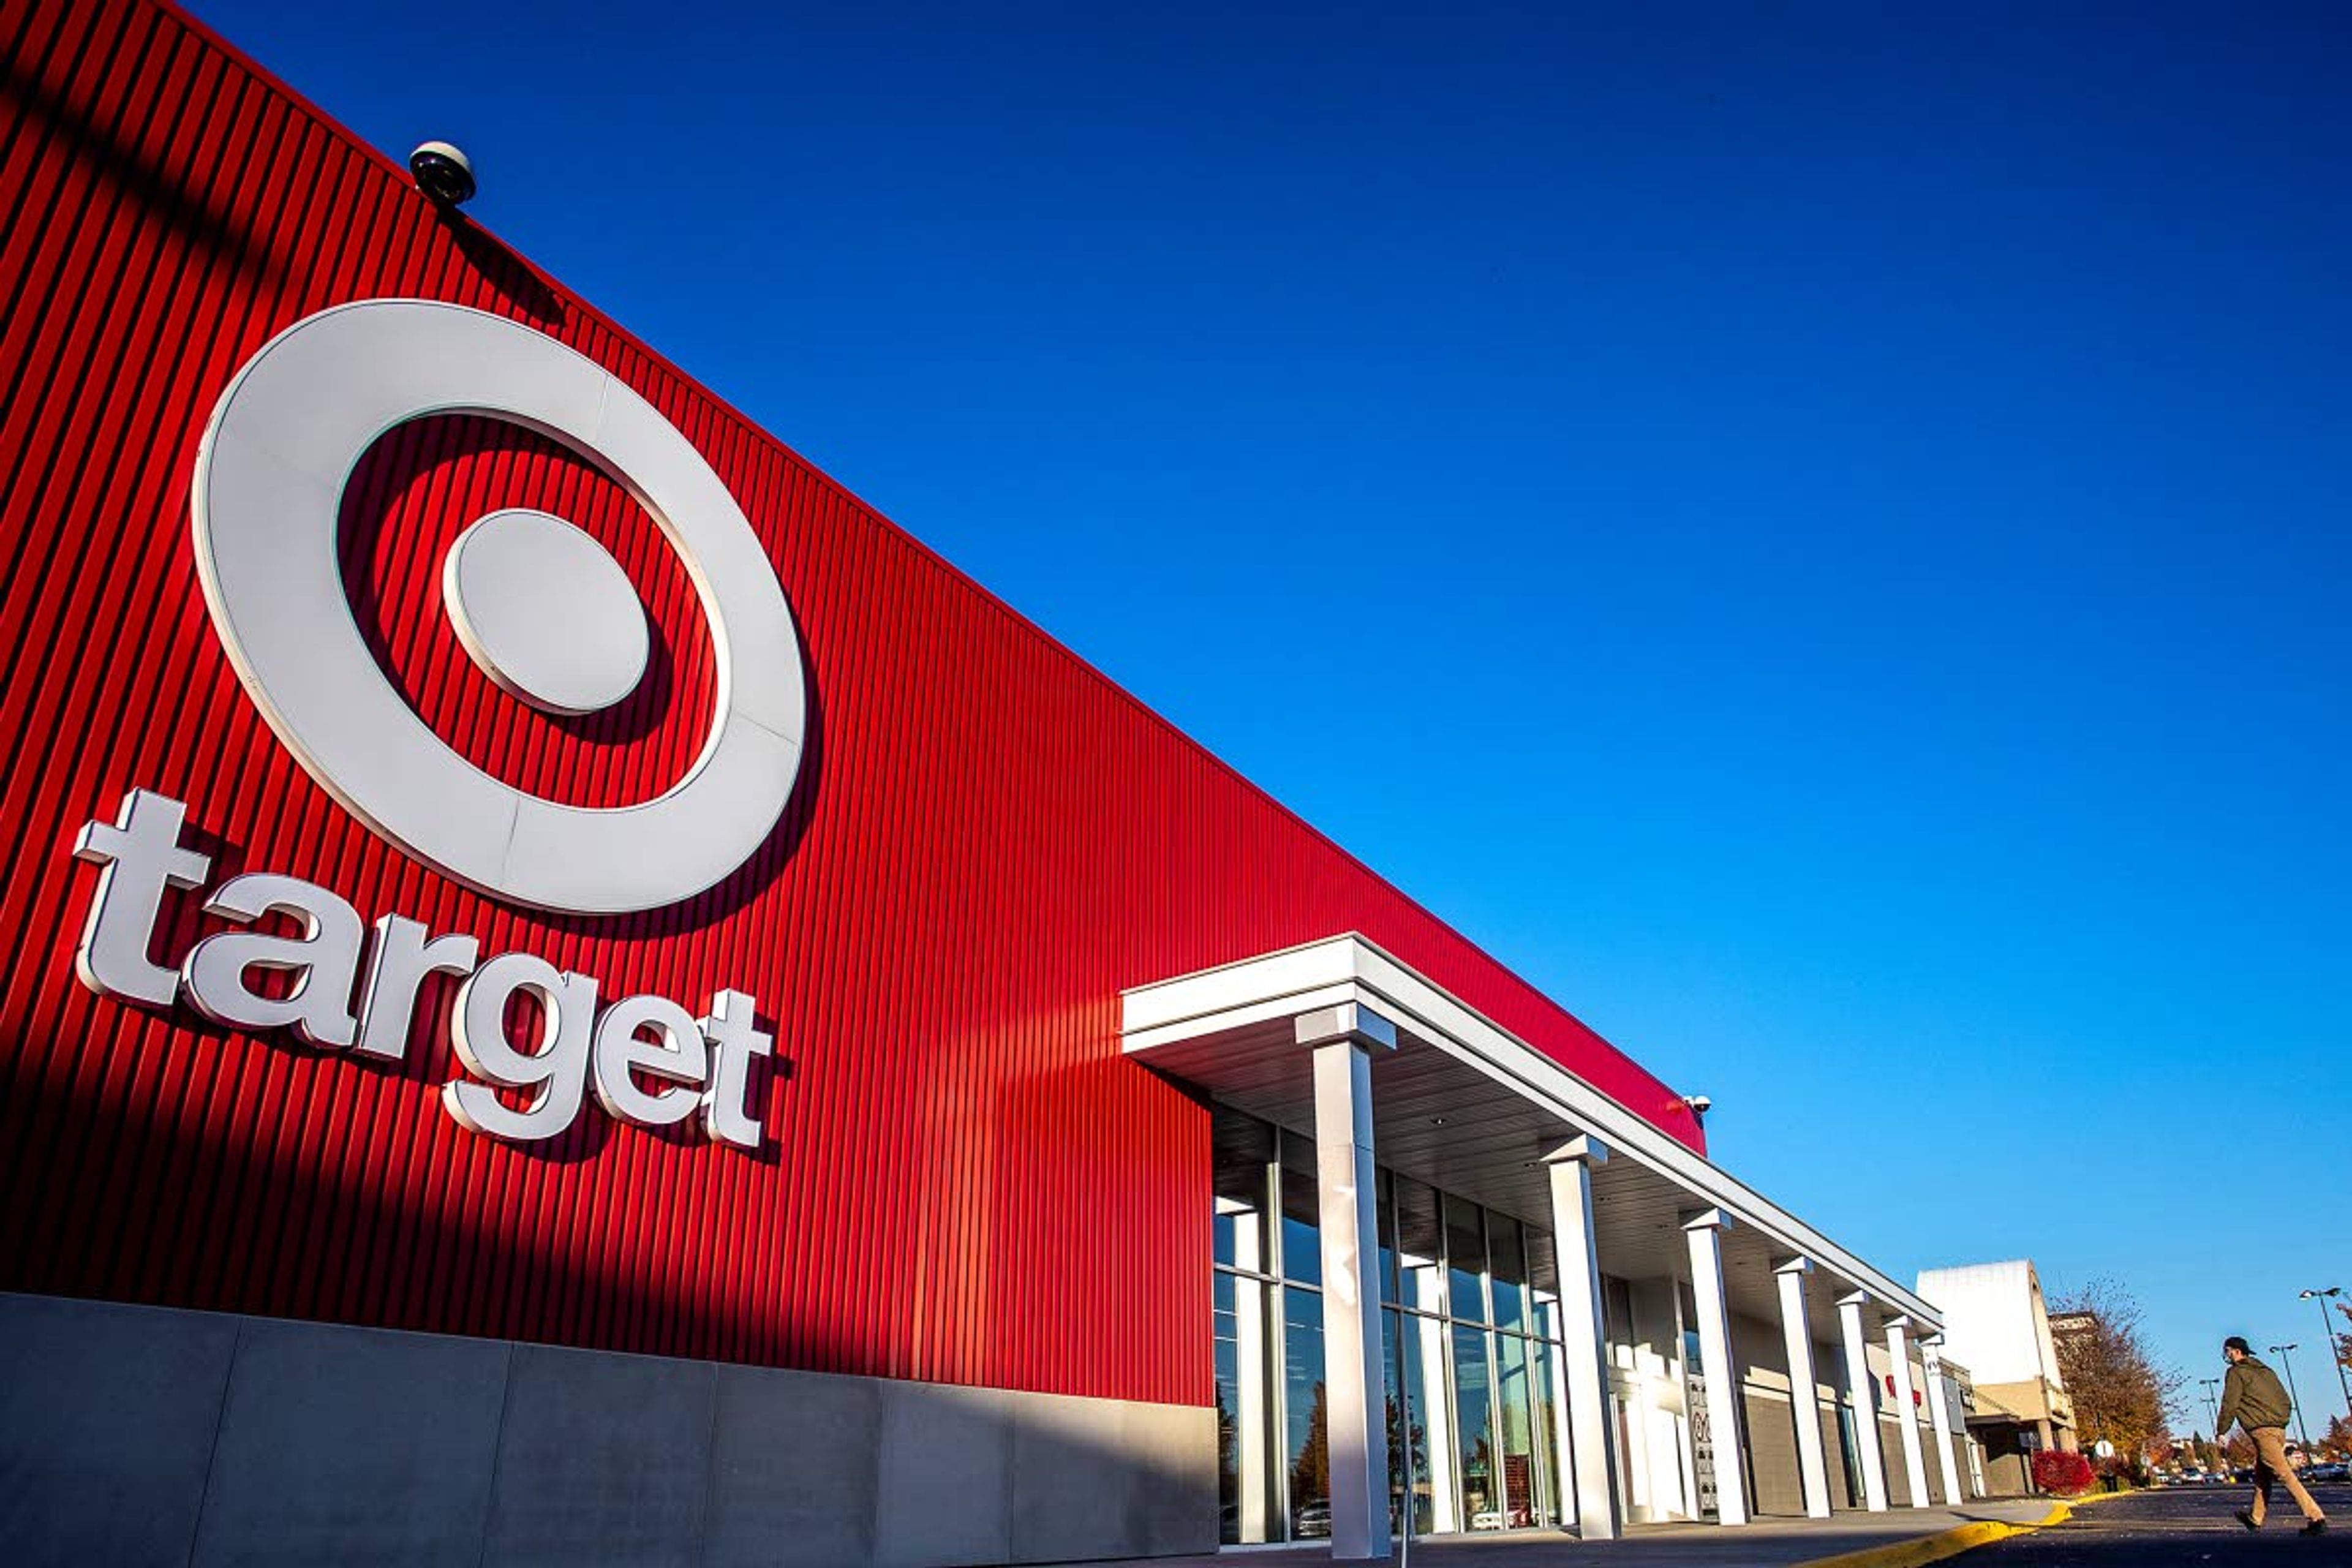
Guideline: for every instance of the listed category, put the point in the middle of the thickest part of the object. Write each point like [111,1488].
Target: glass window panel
[1244,1162]
[1387,1237]
[1409,1424]
[1245,1472]
[1302,1243]
[1466,1258]
[1420,1245]
[1306,1419]
[1543,1265]
[1616,1310]
[1229,1405]
[1849,1447]
[1551,1487]
[1509,1271]
[1472,1418]
[1514,1419]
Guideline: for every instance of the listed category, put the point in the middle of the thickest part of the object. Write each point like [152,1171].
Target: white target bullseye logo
[541,606]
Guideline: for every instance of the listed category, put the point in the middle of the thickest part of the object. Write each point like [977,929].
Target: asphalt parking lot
[2180,1525]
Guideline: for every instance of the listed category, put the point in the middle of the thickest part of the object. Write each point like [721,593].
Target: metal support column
[1914,1464]
[1932,1359]
[1863,1390]
[1725,1428]
[1805,1406]
[1585,1445]
[1347,1216]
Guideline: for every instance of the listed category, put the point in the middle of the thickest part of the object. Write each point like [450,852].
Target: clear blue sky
[1818,534]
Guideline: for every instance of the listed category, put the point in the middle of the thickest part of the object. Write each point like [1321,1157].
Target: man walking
[2252,1397]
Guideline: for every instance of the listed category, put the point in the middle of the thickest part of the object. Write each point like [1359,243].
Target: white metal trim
[1347,968]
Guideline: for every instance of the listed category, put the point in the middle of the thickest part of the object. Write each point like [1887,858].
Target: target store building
[577,995]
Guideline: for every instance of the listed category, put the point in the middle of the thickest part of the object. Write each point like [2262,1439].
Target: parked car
[2330,1470]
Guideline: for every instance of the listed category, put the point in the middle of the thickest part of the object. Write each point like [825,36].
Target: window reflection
[1474,1442]
[1420,1246]
[1248,1488]
[1243,1155]
[1466,1258]
[1515,1422]
[1552,1508]
[1229,1400]
[1543,1265]
[1409,1424]
[1308,1417]
[1302,1242]
[1509,1271]
[1388,1259]
[1470,1417]
[1245,1475]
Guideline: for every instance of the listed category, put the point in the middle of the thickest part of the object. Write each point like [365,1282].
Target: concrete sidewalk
[1767,1543]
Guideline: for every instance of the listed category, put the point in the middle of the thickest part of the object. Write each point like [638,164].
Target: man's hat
[2238,1343]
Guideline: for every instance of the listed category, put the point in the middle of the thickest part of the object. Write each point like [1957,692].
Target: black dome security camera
[443,172]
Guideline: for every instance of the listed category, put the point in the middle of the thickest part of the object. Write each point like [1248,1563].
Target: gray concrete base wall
[1890,1454]
[140,1435]
[1779,1486]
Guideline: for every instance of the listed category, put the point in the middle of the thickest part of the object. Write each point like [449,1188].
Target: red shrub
[2064,1474]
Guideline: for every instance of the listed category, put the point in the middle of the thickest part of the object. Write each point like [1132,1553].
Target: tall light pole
[2300,1425]
[2213,1410]
[2327,1340]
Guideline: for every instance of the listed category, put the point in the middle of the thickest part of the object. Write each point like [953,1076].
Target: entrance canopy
[1465,1105]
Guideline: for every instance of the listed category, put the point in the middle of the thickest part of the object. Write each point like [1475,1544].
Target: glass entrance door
[1473,1418]
[1469,1326]
[1515,1424]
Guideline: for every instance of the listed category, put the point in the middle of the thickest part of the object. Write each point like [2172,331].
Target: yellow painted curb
[1935,1548]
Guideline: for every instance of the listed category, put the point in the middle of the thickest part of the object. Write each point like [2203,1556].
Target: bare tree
[1311,1472]
[2120,1394]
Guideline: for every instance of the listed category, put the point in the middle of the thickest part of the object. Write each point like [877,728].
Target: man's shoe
[2316,1527]
[2246,1518]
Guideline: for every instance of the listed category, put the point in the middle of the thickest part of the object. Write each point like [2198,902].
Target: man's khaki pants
[2270,1460]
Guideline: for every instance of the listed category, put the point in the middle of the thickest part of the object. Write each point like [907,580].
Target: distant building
[1996,1324]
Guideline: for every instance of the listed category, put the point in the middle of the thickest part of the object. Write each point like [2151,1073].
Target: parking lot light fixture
[2327,1340]
[2302,1426]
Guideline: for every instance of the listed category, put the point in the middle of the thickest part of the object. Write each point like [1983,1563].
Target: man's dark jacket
[2254,1395]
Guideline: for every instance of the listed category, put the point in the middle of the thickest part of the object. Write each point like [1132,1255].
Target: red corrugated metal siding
[963,1181]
